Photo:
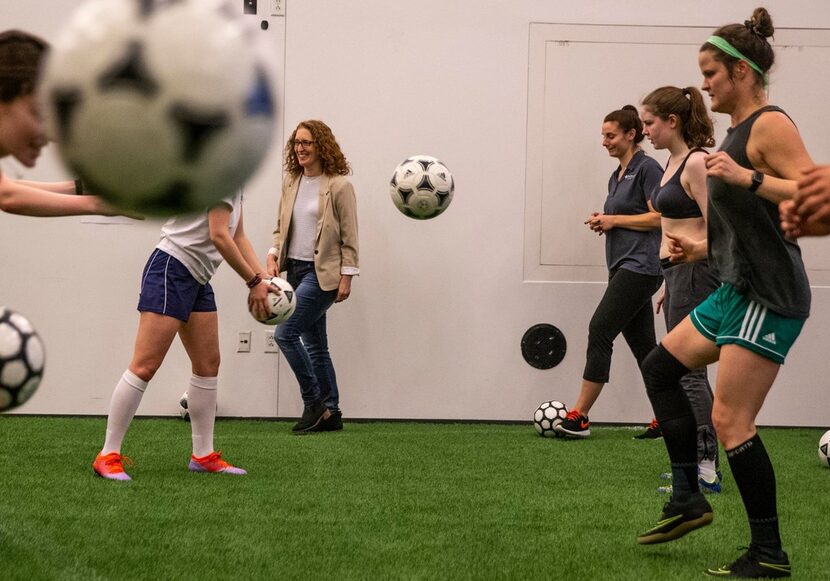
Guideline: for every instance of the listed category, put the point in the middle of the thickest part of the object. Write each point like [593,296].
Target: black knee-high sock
[662,373]
[754,475]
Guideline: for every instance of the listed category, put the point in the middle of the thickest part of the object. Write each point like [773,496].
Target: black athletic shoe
[752,565]
[575,425]
[333,424]
[653,432]
[313,415]
[678,519]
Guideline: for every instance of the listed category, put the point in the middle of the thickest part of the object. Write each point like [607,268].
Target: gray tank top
[747,247]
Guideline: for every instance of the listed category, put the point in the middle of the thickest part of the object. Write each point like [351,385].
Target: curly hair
[331,157]
[750,38]
[21,55]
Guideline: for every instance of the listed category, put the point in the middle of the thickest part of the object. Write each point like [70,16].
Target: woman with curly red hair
[315,242]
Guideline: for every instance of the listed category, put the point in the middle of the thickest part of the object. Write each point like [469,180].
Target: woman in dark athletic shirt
[754,317]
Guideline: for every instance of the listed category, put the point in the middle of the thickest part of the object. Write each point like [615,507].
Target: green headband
[724,45]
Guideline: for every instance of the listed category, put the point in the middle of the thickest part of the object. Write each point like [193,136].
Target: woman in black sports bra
[676,119]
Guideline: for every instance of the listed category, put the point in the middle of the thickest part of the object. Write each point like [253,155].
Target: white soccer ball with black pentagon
[280,304]
[421,187]
[21,359]
[824,449]
[160,106]
[183,411]
[549,415]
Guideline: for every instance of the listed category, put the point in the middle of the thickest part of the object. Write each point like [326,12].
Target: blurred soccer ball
[421,187]
[281,305]
[21,359]
[824,449]
[160,107]
[549,415]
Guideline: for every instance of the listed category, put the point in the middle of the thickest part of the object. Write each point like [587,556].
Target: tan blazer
[336,242]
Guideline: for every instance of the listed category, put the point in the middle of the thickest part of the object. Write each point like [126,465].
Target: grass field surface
[375,501]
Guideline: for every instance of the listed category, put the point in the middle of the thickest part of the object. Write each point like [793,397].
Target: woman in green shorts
[752,320]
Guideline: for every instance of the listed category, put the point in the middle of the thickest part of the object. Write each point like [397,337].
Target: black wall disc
[544,346]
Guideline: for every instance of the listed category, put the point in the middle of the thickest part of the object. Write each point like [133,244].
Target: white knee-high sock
[201,403]
[123,405]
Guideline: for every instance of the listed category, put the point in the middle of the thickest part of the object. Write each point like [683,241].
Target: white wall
[434,323]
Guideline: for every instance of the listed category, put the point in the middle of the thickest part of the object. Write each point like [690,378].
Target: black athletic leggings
[625,308]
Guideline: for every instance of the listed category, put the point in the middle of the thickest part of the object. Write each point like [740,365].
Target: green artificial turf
[375,501]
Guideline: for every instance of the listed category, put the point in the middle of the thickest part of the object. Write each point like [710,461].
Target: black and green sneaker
[678,518]
[754,565]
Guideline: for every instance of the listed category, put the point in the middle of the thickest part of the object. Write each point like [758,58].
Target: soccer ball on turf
[824,449]
[183,412]
[161,107]
[281,305]
[21,359]
[421,187]
[549,415]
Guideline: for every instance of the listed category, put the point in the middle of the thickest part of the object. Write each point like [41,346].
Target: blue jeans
[303,339]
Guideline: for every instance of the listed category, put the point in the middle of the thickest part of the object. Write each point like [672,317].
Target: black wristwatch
[757,180]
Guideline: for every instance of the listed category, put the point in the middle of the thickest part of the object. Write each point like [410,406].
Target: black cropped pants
[625,308]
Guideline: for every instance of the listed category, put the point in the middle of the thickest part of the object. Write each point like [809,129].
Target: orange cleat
[213,463]
[111,467]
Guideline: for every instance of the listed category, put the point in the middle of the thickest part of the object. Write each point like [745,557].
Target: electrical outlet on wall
[243,344]
[277,7]
[270,342]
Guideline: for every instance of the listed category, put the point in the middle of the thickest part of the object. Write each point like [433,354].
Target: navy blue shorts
[168,288]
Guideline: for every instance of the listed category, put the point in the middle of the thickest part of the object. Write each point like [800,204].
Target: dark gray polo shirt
[631,249]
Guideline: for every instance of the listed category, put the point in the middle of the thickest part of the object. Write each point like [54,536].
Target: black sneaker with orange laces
[653,432]
[575,425]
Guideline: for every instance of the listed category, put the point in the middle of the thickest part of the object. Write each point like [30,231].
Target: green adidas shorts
[728,317]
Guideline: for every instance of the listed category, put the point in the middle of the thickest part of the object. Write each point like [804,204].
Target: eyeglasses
[304,142]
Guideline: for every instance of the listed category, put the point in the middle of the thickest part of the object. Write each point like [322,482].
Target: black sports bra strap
[685,159]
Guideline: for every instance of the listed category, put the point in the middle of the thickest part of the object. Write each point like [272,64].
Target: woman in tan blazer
[315,243]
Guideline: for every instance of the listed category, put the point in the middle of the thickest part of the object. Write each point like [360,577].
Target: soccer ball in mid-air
[824,449]
[549,415]
[280,304]
[21,359]
[421,187]
[160,106]
[183,411]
